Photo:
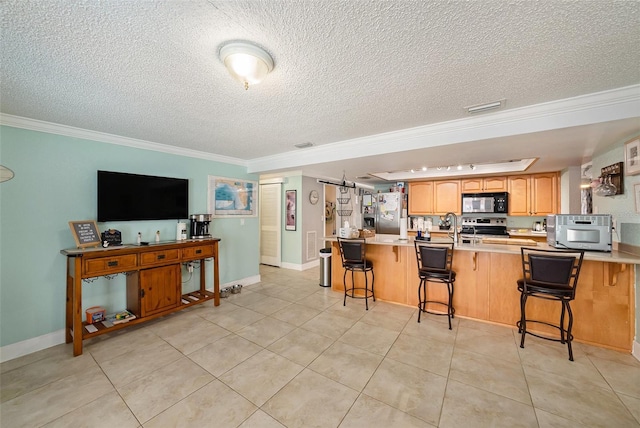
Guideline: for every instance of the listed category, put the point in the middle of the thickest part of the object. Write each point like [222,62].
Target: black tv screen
[125,197]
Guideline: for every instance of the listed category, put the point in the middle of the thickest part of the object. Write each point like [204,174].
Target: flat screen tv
[125,197]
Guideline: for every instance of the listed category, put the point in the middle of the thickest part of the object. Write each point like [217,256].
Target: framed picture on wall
[632,156]
[232,197]
[291,200]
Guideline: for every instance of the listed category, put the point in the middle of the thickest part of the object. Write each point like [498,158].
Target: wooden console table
[154,285]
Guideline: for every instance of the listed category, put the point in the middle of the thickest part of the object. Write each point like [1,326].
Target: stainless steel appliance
[494,203]
[476,228]
[199,226]
[388,211]
[369,211]
[580,232]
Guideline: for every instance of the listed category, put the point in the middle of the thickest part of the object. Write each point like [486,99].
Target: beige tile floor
[286,352]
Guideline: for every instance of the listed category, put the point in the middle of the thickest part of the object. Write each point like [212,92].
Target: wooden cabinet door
[544,194]
[159,289]
[495,184]
[421,198]
[471,185]
[519,195]
[446,196]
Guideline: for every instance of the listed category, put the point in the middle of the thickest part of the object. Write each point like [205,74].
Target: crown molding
[615,104]
[70,131]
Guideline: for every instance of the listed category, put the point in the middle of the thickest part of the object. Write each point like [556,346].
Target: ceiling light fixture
[246,62]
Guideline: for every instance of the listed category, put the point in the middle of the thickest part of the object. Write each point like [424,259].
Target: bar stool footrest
[430,311]
[368,293]
[568,336]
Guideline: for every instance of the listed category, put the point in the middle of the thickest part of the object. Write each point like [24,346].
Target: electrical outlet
[614,223]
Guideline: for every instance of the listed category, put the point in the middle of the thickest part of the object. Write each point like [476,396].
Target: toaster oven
[580,232]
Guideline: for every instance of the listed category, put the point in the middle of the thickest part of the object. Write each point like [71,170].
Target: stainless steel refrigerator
[388,212]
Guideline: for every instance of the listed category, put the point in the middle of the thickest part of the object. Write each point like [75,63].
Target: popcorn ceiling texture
[343,69]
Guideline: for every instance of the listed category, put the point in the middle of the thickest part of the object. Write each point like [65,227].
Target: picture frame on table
[291,200]
[232,197]
[632,156]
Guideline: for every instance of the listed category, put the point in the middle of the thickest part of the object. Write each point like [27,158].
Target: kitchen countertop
[612,257]
[526,232]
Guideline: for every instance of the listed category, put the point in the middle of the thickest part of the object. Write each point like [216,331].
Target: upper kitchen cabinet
[421,198]
[487,184]
[446,197]
[533,194]
[434,197]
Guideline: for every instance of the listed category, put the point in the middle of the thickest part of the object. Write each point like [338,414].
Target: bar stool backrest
[352,251]
[553,267]
[434,256]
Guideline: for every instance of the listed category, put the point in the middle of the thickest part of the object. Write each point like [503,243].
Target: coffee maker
[199,227]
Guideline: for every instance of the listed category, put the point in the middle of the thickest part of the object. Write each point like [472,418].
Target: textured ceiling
[344,70]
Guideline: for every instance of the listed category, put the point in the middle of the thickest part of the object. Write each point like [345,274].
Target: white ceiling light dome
[246,62]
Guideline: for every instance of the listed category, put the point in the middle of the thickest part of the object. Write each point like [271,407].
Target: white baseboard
[35,344]
[301,267]
[29,346]
[636,350]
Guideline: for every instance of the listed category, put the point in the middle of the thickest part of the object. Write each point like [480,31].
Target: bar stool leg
[569,337]
[450,305]
[373,280]
[344,282]
[522,328]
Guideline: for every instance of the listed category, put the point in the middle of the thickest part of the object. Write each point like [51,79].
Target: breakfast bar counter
[485,287]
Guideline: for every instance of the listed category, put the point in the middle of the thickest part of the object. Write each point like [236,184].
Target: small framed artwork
[291,198]
[636,192]
[632,156]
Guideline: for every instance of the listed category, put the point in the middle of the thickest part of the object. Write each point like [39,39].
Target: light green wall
[55,182]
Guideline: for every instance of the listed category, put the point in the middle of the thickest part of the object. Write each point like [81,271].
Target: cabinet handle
[198,251]
[475,261]
[142,292]
[161,256]
[112,263]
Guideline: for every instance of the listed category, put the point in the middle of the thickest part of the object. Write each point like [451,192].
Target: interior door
[271,224]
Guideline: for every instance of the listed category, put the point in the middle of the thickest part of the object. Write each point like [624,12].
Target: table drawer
[150,258]
[200,252]
[106,265]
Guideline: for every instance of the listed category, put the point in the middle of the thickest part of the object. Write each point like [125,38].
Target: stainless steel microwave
[485,203]
[580,232]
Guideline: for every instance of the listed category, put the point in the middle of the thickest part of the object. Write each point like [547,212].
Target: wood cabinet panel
[519,195]
[544,194]
[107,265]
[151,258]
[536,194]
[446,196]
[159,289]
[421,198]
[488,184]
[471,292]
[193,253]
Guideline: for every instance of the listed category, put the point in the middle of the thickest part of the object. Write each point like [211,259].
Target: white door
[270,224]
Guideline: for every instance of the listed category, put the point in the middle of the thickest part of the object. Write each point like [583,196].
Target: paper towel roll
[403,228]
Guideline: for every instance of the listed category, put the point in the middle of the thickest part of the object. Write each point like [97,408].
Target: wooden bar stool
[434,265]
[550,275]
[352,252]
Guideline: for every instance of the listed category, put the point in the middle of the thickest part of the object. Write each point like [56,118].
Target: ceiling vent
[481,108]
[304,145]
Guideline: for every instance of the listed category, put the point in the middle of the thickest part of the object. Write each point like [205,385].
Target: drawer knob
[112,263]
[198,251]
[161,256]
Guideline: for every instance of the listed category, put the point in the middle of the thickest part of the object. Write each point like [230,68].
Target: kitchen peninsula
[485,287]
